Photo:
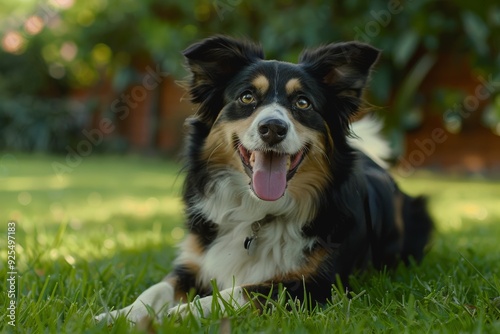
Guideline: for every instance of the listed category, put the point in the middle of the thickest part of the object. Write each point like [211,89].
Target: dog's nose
[272,130]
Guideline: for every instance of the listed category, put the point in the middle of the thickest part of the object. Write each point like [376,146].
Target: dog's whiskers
[322,152]
[213,151]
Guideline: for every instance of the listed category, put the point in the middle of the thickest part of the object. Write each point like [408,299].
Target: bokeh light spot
[68,51]
[24,198]
[177,233]
[33,25]
[57,70]
[63,4]
[85,18]
[101,53]
[13,42]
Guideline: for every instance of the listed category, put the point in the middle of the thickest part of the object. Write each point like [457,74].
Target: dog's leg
[246,295]
[159,297]
[155,298]
[236,297]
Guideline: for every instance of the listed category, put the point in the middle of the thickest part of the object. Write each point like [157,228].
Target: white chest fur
[278,248]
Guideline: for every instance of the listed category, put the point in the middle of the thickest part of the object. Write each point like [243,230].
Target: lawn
[100,235]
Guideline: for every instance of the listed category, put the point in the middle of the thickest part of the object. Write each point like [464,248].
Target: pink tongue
[269,175]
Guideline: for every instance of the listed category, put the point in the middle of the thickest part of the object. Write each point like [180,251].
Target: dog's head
[281,125]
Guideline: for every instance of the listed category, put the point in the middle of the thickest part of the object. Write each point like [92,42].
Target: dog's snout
[272,130]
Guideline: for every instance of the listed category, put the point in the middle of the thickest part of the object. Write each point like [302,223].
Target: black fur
[301,208]
[355,224]
[213,63]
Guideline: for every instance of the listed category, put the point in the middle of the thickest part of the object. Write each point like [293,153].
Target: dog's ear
[343,67]
[342,70]
[212,63]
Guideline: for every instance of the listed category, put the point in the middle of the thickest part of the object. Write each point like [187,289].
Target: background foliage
[53,49]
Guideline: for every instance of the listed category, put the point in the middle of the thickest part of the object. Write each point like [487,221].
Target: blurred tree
[52,48]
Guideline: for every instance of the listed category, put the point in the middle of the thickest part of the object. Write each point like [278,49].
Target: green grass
[105,232]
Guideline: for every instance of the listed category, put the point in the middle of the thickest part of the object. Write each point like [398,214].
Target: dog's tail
[367,139]
[418,226]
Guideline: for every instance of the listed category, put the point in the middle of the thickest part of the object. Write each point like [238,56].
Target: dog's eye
[302,103]
[247,97]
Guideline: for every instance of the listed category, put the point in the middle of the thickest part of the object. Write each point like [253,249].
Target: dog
[283,189]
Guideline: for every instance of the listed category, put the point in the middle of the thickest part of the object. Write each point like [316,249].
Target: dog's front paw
[150,303]
[203,307]
[134,313]
[199,308]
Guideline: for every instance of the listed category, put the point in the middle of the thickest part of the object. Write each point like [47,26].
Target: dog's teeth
[252,159]
[288,162]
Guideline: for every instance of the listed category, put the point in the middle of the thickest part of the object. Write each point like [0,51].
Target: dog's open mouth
[270,171]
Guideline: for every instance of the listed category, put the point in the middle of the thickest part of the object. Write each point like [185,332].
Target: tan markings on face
[261,83]
[219,148]
[305,134]
[314,172]
[292,86]
[311,178]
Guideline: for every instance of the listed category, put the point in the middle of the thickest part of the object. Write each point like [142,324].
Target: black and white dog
[281,187]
